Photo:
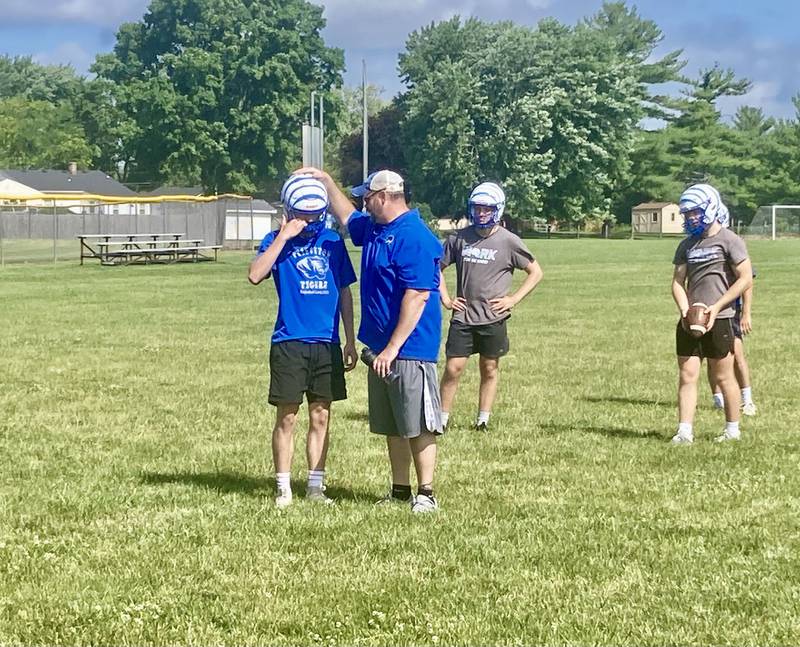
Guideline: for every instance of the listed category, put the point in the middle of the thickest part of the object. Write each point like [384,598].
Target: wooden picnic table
[124,249]
[87,240]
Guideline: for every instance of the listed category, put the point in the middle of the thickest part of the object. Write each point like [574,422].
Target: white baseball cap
[380,181]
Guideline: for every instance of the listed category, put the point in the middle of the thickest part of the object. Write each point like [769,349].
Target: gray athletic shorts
[406,403]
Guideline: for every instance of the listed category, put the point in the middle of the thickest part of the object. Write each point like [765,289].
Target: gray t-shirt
[710,263]
[484,267]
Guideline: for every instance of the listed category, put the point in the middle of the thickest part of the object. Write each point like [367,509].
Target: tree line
[573,120]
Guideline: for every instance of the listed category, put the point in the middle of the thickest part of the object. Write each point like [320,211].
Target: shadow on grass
[611,432]
[621,400]
[237,483]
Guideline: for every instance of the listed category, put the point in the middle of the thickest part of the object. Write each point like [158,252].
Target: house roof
[94,182]
[654,205]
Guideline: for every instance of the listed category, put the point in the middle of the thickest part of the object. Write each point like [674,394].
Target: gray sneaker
[424,503]
[317,495]
[284,498]
[682,439]
[728,435]
[749,409]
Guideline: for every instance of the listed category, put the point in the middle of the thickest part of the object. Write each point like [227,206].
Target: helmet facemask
[486,205]
[483,216]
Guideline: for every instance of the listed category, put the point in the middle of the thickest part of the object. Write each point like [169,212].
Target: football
[696,320]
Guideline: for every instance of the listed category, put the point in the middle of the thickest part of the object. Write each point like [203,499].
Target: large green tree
[216,90]
[550,112]
[21,76]
[39,134]
[385,146]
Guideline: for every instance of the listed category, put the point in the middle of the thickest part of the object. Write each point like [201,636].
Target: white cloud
[764,94]
[108,13]
[67,53]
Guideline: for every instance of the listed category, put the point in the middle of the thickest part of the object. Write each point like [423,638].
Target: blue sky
[759,40]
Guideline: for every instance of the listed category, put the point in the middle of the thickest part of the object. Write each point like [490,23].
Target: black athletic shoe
[481,427]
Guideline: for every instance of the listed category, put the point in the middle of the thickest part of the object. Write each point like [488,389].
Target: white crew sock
[483,417]
[445,418]
[732,428]
[685,429]
[719,400]
[283,481]
[747,395]
[315,478]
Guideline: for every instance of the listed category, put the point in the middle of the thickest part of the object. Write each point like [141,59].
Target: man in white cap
[312,273]
[401,324]
[485,255]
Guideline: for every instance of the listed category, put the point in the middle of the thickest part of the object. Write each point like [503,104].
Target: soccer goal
[775,221]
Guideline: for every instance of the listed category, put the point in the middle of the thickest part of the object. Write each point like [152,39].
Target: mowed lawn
[136,485]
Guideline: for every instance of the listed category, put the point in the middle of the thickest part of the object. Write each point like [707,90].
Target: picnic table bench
[124,249]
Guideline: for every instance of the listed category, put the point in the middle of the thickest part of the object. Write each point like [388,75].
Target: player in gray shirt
[711,267]
[485,255]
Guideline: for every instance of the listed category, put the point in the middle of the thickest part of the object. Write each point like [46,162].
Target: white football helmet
[702,198]
[305,197]
[486,194]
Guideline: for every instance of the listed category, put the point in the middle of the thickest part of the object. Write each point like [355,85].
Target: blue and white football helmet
[724,216]
[486,194]
[700,206]
[305,197]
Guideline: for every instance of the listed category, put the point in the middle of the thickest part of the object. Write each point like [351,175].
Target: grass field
[136,489]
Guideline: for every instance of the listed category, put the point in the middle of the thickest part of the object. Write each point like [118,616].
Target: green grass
[136,489]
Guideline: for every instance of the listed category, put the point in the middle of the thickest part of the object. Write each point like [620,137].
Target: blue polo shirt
[309,273]
[400,255]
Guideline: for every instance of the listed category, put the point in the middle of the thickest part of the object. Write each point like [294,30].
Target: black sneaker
[389,499]
[481,426]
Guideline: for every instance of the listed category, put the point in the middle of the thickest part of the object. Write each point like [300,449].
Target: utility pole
[365,152]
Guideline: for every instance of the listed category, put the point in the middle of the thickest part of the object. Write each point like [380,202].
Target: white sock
[445,418]
[283,481]
[685,429]
[483,417]
[732,427]
[315,478]
[747,395]
[719,400]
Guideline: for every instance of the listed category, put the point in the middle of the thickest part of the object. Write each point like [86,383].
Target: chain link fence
[48,233]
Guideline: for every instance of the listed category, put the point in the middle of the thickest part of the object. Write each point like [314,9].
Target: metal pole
[252,229]
[773,222]
[365,129]
[55,231]
[321,133]
[238,235]
[2,251]
[313,131]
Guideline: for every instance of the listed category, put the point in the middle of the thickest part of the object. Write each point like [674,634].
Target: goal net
[775,221]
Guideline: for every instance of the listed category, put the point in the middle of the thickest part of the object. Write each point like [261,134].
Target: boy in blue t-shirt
[312,273]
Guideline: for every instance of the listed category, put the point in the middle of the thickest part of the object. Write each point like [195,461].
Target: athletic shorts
[297,368]
[488,340]
[406,403]
[715,344]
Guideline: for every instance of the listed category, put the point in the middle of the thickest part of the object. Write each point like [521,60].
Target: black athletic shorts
[715,344]
[297,368]
[488,340]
